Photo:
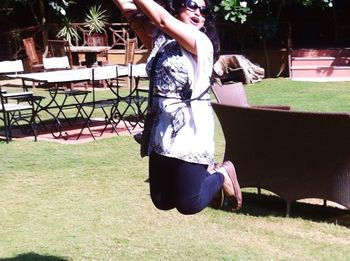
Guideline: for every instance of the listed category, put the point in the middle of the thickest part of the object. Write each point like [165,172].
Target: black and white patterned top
[183,129]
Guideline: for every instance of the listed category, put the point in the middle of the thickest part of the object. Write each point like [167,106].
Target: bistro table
[54,79]
[90,53]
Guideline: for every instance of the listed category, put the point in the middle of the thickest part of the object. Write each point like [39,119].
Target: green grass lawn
[308,96]
[91,202]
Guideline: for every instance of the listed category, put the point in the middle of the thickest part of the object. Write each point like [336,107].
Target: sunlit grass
[91,202]
[308,96]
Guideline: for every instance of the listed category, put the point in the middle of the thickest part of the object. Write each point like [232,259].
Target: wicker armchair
[296,155]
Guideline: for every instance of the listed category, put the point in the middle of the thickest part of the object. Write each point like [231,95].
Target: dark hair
[209,27]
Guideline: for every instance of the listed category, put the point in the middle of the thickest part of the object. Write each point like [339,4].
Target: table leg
[75,59]
[91,59]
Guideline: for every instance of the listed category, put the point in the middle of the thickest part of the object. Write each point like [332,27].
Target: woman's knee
[161,203]
[189,206]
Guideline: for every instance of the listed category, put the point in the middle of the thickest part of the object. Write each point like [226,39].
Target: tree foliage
[40,9]
[262,15]
[238,11]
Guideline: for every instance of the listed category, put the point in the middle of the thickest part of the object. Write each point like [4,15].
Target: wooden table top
[89,49]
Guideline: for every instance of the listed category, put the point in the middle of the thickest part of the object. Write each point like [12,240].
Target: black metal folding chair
[109,107]
[12,114]
[15,107]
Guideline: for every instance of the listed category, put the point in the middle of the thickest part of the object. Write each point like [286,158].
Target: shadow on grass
[270,205]
[33,257]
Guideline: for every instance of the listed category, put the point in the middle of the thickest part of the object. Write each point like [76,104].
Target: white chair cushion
[11,66]
[56,63]
[15,107]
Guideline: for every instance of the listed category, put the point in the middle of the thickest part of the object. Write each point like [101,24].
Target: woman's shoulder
[202,40]
[195,32]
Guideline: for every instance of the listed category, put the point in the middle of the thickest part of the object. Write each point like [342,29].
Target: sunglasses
[193,6]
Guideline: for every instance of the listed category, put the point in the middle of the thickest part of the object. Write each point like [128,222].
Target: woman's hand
[127,7]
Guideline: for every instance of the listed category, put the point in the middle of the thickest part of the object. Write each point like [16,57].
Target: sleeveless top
[184,128]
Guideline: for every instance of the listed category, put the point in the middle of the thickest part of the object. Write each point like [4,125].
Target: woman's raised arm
[159,17]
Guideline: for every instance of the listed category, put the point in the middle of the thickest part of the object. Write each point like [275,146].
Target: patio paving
[70,133]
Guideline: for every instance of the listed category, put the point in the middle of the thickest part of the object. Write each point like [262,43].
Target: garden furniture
[108,73]
[21,108]
[294,154]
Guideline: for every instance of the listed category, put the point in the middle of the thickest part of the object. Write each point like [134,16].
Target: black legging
[186,186]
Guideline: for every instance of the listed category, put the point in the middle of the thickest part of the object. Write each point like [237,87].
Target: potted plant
[68,32]
[96,21]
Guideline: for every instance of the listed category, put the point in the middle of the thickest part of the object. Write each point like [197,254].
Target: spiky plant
[96,19]
[68,32]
